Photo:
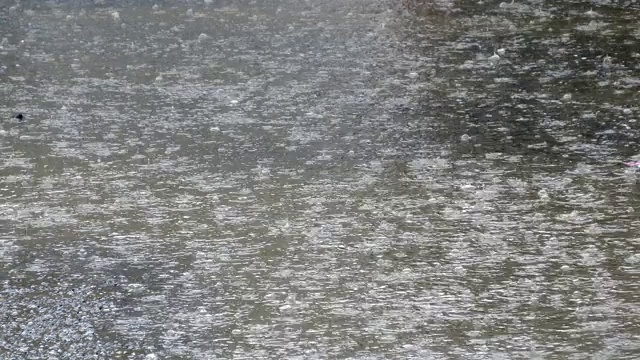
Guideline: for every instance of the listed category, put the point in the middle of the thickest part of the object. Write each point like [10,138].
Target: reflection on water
[318,179]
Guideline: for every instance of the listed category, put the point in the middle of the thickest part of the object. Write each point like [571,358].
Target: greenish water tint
[322,179]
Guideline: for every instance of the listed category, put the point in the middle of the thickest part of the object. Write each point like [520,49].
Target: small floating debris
[16,120]
[633,163]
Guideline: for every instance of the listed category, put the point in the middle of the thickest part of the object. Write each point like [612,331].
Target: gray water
[319,179]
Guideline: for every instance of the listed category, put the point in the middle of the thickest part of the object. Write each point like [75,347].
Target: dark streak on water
[339,179]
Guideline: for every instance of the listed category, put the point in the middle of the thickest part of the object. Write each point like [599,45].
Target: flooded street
[327,179]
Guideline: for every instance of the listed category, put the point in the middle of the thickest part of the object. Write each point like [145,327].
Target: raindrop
[633,259]
[505,5]
[544,196]
[591,13]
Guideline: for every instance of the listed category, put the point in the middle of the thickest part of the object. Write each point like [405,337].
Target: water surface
[319,179]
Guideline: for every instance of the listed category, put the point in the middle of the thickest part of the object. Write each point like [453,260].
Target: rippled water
[319,179]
